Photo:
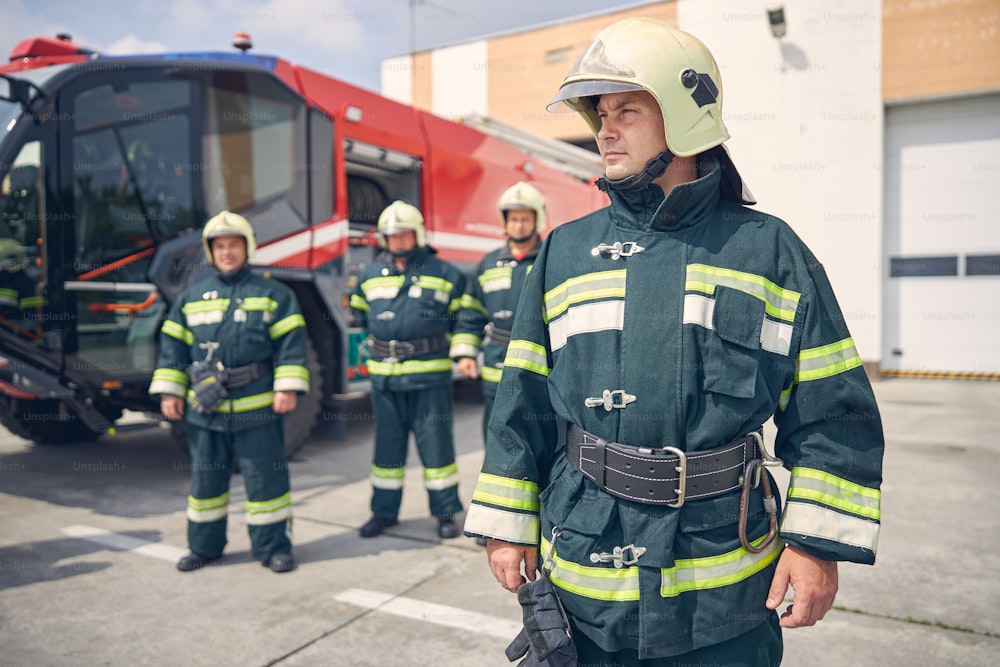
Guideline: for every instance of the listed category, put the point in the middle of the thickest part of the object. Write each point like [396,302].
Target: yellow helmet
[523,195]
[12,256]
[228,223]
[674,67]
[400,217]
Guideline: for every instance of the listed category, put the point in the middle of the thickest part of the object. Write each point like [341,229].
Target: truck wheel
[298,425]
[46,422]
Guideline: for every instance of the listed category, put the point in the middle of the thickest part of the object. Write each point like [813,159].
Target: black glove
[546,637]
[207,382]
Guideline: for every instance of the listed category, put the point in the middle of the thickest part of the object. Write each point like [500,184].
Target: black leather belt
[383,350]
[241,376]
[499,336]
[664,476]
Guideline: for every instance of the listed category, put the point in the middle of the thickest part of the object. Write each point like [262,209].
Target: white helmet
[400,217]
[523,195]
[228,223]
[671,65]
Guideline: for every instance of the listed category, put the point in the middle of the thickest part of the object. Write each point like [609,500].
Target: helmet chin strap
[653,170]
[521,239]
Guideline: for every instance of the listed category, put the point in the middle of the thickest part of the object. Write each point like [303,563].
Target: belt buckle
[681,469]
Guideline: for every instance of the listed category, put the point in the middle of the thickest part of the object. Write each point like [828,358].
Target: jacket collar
[687,205]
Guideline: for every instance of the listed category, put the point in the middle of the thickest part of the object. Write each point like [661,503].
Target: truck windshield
[9,111]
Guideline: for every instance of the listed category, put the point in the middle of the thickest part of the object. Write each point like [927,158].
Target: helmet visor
[571,93]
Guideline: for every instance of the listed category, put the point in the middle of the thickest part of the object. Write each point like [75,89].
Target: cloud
[132,44]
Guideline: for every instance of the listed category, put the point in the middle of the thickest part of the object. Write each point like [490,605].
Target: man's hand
[467,367]
[505,563]
[172,407]
[284,402]
[814,581]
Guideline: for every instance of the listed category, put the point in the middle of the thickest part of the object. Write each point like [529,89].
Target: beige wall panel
[932,49]
[422,80]
[525,70]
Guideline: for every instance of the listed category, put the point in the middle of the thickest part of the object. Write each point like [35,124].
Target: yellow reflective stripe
[598,583]
[387,478]
[245,404]
[491,374]
[34,301]
[599,285]
[168,381]
[822,362]
[514,527]
[505,492]
[206,510]
[827,489]
[410,367]
[268,506]
[435,283]
[358,303]
[828,524]
[205,306]
[778,302]
[785,397]
[465,345]
[527,355]
[291,371]
[472,303]
[692,574]
[437,479]
[291,378]
[466,339]
[496,279]
[281,327]
[454,305]
[259,303]
[175,330]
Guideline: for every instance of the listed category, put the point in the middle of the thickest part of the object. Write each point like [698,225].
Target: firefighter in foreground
[232,361]
[500,279]
[415,310]
[653,339]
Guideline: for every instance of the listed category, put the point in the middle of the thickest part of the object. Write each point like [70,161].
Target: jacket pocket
[732,350]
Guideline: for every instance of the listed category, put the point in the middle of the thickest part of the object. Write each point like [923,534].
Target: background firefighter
[653,339]
[499,281]
[251,333]
[414,308]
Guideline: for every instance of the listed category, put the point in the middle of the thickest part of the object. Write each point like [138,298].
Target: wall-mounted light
[776,19]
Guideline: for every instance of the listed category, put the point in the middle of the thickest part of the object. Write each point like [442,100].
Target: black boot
[447,529]
[376,525]
[280,563]
[193,561]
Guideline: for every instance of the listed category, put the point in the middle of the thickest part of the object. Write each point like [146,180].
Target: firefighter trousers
[760,647]
[428,414]
[261,455]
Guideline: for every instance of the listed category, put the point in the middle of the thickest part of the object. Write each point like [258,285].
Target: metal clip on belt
[497,335]
[663,476]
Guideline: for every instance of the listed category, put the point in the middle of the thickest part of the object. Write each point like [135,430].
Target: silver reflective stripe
[587,318]
[815,521]
[502,525]
[375,293]
[774,336]
[205,317]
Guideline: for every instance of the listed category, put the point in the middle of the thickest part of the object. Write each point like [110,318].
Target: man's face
[631,132]
[229,252]
[401,242]
[520,223]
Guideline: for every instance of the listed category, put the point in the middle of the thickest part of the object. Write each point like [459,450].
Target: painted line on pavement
[439,614]
[125,543]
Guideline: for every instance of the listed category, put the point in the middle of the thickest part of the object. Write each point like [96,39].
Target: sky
[346,39]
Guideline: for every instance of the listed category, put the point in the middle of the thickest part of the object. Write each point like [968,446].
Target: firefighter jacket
[253,319]
[424,303]
[700,319]
[496,289]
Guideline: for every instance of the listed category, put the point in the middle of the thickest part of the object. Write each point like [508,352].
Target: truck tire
[45,422]
[298,425]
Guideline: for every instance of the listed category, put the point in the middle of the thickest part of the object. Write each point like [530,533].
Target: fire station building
[872,128]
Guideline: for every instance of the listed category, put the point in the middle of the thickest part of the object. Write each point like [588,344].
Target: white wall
[805,115]
[459,81]
[397,78]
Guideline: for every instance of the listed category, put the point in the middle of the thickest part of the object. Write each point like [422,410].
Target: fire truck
[110,165]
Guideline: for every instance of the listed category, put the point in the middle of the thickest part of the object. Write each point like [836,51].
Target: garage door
[942,217]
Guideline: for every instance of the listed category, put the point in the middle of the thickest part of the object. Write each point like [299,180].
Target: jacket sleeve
[169,377]
[522,435]
[830,437]
[289,335]
[359,304]
[467,337]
